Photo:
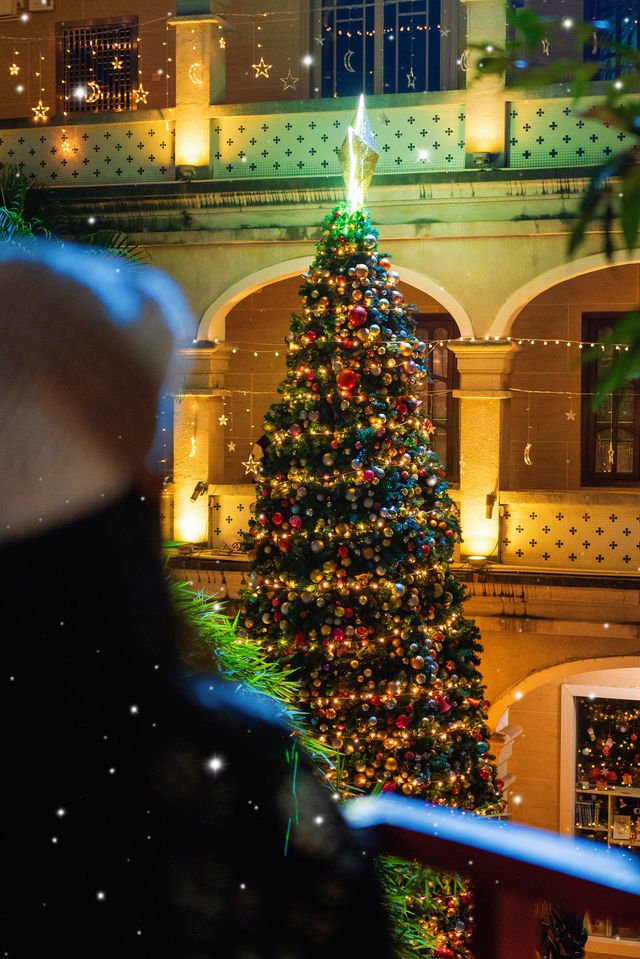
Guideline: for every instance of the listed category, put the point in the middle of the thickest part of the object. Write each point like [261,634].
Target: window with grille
[97,65]
[380,46]
[614,21]
[610,434]
[438,402]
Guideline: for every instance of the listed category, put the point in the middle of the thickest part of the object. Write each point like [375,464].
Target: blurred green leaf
[116,242]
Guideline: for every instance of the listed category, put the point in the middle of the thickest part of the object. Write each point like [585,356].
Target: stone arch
[510,309]
[213,323]
[539,677]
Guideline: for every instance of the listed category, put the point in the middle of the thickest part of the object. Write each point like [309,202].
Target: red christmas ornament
[346,379]
[443,703]
[369,475]
[296,522]
[357,316]
[402,721]
[300,639]
[389,787]
[343,552]
[338,635]
[277,519]
[312,336]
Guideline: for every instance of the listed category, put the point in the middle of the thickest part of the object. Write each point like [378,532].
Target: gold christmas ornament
[358,157]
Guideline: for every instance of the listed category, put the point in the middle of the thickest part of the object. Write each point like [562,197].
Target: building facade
[210,134]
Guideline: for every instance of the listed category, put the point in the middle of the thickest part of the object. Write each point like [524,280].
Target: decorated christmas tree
[350,547]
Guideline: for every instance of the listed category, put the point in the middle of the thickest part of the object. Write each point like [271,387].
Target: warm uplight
[191,524]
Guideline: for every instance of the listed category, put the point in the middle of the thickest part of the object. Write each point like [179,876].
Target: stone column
[485,122]
[485,370]
[198,438]
[200,81]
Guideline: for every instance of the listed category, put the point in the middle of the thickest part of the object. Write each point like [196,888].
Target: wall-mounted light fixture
[199,490]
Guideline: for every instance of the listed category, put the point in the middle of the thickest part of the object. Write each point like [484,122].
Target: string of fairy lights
[272,350]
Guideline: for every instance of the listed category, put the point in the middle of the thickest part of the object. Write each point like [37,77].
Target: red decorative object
[357,316]
[346,379]
[389,787]
[296,521]
[402,721]
[277,519]
[369,475]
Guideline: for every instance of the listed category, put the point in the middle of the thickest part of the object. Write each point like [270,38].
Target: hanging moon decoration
[194,74]
[347,61]
[96,92]
[464,60]
[527,455]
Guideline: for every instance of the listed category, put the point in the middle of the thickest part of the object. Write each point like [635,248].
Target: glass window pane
[604,451]
[439,444]
[625,405]
[624,452]
[439,358]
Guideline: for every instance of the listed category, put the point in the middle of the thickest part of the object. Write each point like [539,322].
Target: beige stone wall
[557,312]
[259,324]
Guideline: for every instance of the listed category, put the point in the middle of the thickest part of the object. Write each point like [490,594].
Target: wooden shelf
[610,791]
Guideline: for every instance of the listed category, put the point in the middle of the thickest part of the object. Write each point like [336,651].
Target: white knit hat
[86,343]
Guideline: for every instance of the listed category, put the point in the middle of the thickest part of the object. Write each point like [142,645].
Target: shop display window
[607,783]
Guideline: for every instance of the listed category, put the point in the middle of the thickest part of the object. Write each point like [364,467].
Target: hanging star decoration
[116,64]
[231,447]
[358,157]
[40,111]
[411,79]
[261,68]
[445,31]
[14,69]
[223,420]
[289,81]
[319,40]
[250,466]
[570,414]
[140,95]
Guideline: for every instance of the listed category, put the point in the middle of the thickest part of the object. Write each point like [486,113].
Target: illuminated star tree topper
[358,157]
